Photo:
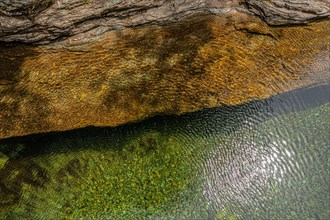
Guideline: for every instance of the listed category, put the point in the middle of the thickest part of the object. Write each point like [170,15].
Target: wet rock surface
[128,75]
[71,64]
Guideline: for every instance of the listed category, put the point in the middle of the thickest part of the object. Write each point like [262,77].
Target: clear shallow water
[267,159]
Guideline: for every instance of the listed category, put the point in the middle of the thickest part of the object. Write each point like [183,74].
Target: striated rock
[46,21]
[130,74]
[278,12]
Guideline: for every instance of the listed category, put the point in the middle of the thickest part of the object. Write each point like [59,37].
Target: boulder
[72,64]
[126,75]
[47,21]
[279,12]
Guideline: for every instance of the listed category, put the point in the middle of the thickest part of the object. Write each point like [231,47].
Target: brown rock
[128,75]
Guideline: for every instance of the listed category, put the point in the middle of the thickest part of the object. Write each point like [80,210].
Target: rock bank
[131,68]
[46,21]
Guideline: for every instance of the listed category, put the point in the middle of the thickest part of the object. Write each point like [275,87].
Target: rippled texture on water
[267,159]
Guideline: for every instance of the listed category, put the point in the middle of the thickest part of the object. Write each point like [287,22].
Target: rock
[278,12]
[129,74]
[46,21]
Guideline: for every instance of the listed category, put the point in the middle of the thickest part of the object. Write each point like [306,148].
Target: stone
[127,75]
[279,12]
[47,21]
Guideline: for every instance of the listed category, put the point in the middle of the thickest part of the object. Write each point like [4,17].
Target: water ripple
[266,159]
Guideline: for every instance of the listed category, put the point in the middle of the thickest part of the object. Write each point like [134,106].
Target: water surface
[267,159]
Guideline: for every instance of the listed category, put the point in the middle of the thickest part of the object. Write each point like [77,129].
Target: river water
[267,159]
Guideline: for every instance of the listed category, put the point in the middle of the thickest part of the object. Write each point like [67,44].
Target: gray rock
[278,12]
[31,22]
[46,21]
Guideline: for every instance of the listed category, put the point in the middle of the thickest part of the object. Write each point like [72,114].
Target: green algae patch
[148,176]
[3,160]
[225,215]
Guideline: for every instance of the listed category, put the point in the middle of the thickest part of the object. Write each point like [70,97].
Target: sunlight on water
[273,168]
[267,159]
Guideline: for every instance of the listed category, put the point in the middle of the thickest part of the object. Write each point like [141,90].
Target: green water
[267,159]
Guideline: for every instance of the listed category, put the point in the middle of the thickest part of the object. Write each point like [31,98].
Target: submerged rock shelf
[128,75]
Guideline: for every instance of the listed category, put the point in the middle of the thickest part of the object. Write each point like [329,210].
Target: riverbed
[266,159]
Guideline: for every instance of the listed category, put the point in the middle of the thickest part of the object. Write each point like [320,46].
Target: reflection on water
[277,170]
[264,160]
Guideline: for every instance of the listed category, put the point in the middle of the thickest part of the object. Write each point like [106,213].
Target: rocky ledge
[45,21]
[106,63]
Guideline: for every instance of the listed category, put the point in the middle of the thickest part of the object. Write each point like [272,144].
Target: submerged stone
[128,75]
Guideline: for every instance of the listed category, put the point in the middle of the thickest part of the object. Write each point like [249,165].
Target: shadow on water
[21,168]
[151,45]
[215,119]
[13,87]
